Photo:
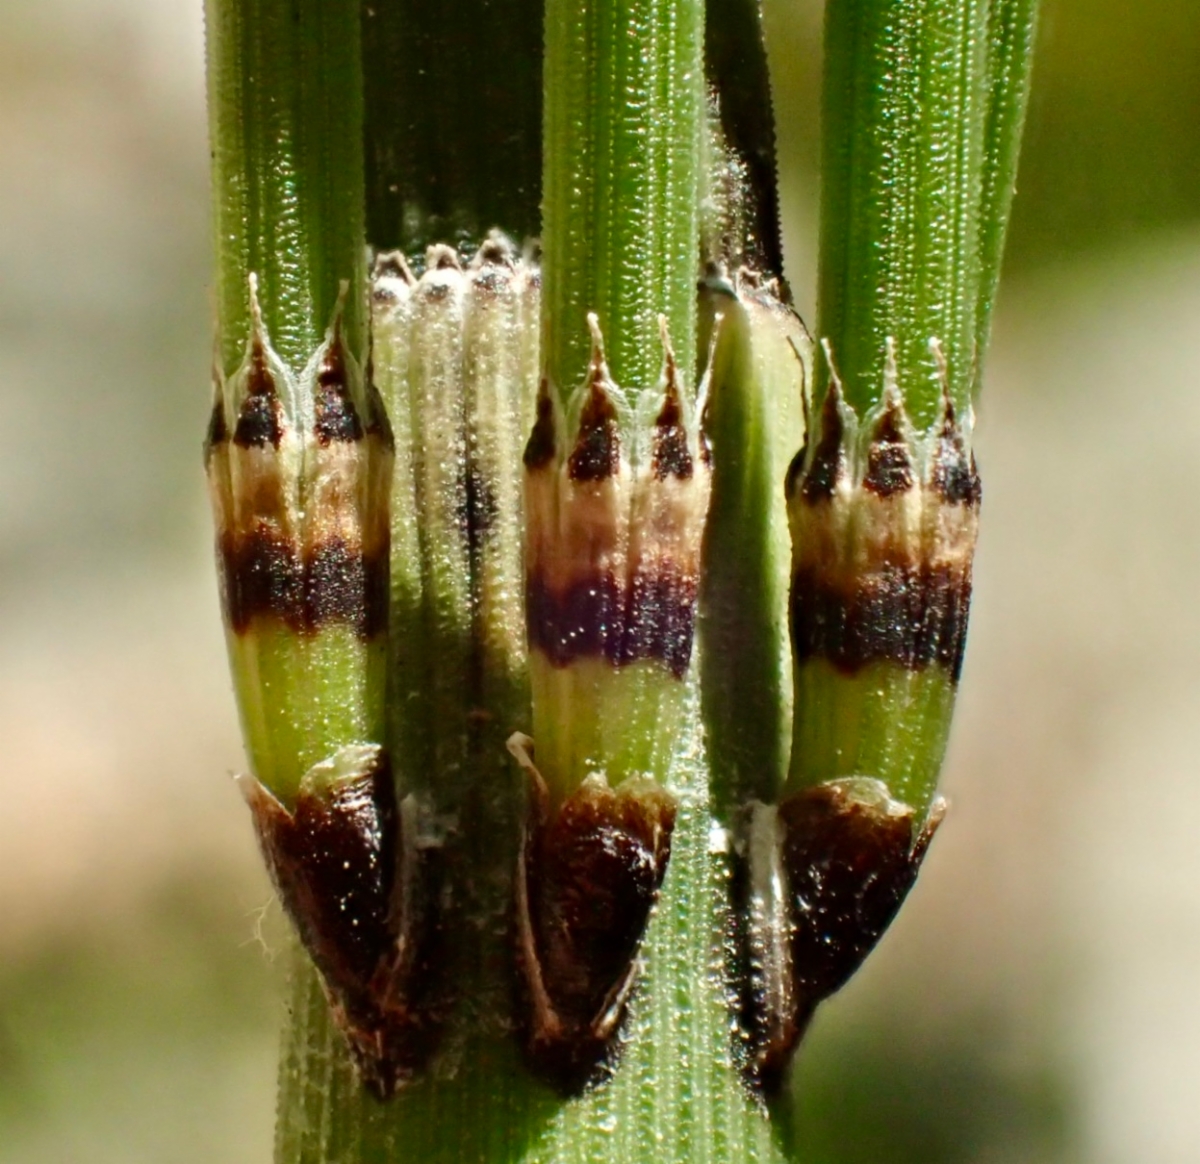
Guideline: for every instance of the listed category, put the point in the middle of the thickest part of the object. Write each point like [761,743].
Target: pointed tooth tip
[664,335]
[949,417]
[255,305]
[593,322]
[333,333]
[599,377]
[257,340]
[333,362]
[835,381]
[891,414]
[891,372]
[670,372]
[943,368]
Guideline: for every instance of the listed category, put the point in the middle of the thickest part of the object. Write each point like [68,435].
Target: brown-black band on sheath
[910,614]
[630,594]
[882,552]
[334,584]
[651,618]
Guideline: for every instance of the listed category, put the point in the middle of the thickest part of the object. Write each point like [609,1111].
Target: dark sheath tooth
[541,448]
[218,429]
[671,456]
[952,472]
[889,465]
[828,464]
[260,420]
[337,419]
[589,876]
[597,452]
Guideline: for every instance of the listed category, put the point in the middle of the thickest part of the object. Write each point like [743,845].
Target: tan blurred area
[138,1014]
[1039,999]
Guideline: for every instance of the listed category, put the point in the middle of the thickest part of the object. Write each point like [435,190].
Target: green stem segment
[905,111]
[285,113]
[285,120]
[1011,27]
[923,102]
[755,421]
[624,113]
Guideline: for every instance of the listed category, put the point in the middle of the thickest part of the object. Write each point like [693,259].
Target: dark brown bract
[823,876]
[361,894]
[588,878]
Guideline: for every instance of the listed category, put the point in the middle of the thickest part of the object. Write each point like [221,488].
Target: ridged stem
[623,116]
[905,111]
[285,125]
[1011,28]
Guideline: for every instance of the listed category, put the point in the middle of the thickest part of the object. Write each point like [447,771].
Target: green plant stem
[923,107]
[755,422]
[285,123]
[905,104]
[624,113]
[1011,28]
[285,116]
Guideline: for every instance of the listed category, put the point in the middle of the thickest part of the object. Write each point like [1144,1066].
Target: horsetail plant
[923,106]
[547,502]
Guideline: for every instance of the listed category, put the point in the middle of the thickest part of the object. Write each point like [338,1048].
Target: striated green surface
[624,114]
[924,103]
[884,721]
[438,170]
[592,717]
[906,100]
[285,129]
[302,697]
[1011,26]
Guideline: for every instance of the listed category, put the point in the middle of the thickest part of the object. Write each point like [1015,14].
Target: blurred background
[1039,1001]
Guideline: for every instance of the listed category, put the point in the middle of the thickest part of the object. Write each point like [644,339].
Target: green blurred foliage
[888,1093]
[1113,138]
